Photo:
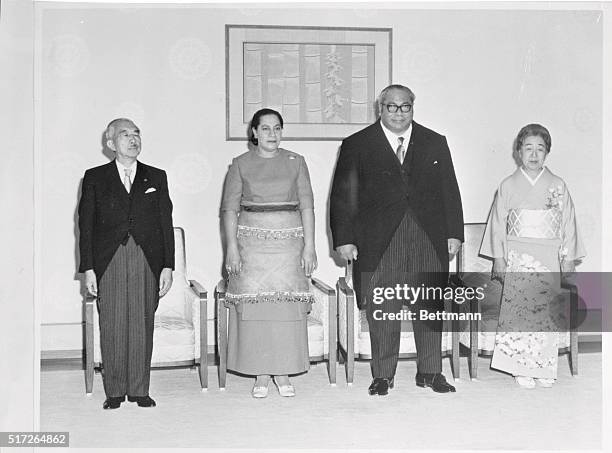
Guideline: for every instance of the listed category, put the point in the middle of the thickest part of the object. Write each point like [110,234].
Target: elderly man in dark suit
[127,254]
[395,211]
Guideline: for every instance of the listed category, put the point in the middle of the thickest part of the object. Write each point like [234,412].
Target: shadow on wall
[110,155]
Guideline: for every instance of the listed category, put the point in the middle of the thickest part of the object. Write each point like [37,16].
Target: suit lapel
[415,151]
[380,142]
[140,180]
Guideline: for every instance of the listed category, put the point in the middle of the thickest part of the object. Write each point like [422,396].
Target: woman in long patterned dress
[268,218]
[531,235]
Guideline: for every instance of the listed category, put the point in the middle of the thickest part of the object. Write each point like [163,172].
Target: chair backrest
[180,265]
[175,299]
[470,261]
[475,271]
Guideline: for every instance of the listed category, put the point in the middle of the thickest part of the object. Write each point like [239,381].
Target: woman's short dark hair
[534,130]
[256,120]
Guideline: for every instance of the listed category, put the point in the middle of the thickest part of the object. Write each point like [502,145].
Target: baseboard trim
[61,354]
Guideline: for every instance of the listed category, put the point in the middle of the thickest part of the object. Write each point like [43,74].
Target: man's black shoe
[113,402]
[436,381]
[380,386]
[143,401]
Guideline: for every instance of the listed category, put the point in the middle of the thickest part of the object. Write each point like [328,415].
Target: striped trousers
[410,259]
[128,295]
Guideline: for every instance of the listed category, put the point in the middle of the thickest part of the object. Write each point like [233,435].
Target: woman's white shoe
[525,382]
[285,390]
[545,382]
[259,391]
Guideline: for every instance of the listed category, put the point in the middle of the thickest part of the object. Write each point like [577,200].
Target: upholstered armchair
[321,322]
[182,323]
[354,336]
[479,336]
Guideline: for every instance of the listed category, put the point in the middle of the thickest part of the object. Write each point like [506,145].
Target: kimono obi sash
[534,223]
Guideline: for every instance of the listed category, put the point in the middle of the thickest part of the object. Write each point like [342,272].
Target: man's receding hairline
[385,91]
[110,129]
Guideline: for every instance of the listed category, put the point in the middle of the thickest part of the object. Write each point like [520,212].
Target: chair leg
[474,326]
[222,329]
[454,335]
[332,338]
[350,343]
[455,350]
[574,331]
[89,347]
[203,368]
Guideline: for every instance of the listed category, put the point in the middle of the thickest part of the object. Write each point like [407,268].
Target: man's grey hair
[384,92]
[110,129]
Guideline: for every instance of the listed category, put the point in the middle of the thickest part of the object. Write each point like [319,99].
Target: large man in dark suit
[395,211]
[127,255]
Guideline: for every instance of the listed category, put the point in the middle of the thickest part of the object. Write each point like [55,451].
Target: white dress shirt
[121,169]
[392,137]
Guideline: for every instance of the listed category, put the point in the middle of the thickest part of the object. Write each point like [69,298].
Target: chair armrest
[330,325]
[344,287]
[323,286]
[222,320]
[89,343]
[321,294]
[198,288]
[565,284]
[573,289]
[89,302]
[90,306]
[199,313]
[220,291]
[323,307]
[456,281]
[349,313]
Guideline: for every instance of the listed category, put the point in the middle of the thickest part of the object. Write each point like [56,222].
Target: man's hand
[347,252]
[499,269]
[91,282]
[165,281]
[453,247]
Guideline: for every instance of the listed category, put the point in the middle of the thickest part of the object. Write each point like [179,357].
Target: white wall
[478,75]
[18,324]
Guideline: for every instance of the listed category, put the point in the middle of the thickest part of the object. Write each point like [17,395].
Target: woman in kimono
[531,235]
[268,219]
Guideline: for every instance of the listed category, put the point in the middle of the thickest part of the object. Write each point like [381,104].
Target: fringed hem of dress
[266,233]
[276,297]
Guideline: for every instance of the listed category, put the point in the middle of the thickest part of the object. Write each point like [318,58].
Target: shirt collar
[122,167]
[392,136]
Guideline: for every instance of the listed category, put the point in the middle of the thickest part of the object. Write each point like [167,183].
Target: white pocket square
[435,162]
[150,189]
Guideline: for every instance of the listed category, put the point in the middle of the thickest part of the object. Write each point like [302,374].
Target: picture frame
[323,80]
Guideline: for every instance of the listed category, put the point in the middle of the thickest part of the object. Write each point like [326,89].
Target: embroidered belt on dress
[266,233]
[270,297]
[534,223]
[269,207]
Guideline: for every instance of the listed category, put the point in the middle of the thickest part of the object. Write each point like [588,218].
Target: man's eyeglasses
[392,108]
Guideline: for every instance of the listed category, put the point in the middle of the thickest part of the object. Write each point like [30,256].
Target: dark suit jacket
[108,215]
[371,192]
